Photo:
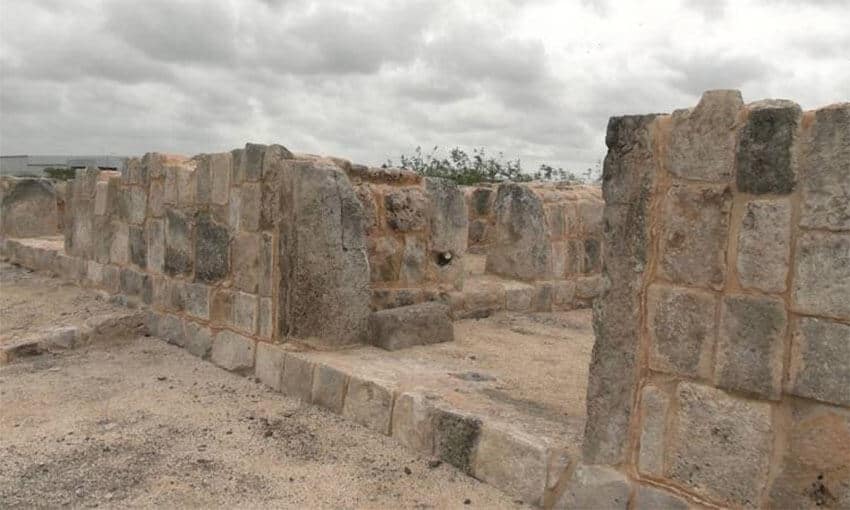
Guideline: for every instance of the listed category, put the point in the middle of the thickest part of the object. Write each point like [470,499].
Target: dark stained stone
[764,148]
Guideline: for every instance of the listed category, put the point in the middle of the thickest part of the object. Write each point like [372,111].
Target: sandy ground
[144,424]
[32,301]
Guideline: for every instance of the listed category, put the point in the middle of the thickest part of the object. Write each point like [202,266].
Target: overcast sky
[369,79]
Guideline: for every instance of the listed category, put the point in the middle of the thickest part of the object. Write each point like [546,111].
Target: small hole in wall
[444,258]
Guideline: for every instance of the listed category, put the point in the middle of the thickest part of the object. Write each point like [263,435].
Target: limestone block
[541,300]
[169,197]
[764,245]
[178,247]
[370,206]
[212,250]
[221,307]
[588,287]
[513,461]
[132,283]
[203,179]
[234,205]
[681,330]
[824,170]
[385,254]
[198,339]
[94,273]
[266,282]
[764,158]
[455,437]
[408,326]
[28,208]
[481,201]
[249,207]
[595,487]
[559,258]
[720,446]
[750,345]
[119,251]
[298,376]
[822,274]
[265,319]
[233,352]
[814,470]
[592,255]
[556,221]
[101,198]
[135,199]
[196,300]
[170,328]
[406,209]
[187,186]
[518,297]
[590,216]
[520,247]
[650,498]
[251,162]
[696,224]
[575,259]
[820,361]
[220,168]
[448,217]
[246,261]
[702,140]
[369,403]
[329,387]
[156,198]
[485,299]
[414,260]
[564,294]
[111,278]
[138,246]
[479,233]
[156,245]
[654,404]
[245,308]
[270,364]
[413,422]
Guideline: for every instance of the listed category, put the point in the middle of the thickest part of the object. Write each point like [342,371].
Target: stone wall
[261,244]
[721,369]
[30,207]
[479,206]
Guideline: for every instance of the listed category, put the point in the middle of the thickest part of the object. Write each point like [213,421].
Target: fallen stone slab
[408,326]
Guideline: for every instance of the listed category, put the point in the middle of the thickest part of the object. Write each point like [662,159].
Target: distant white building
[21,165]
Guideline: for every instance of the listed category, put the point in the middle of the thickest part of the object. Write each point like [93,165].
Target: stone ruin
[718,267]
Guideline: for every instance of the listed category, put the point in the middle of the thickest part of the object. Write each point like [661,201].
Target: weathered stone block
[203,179]
[270,364]
[156,198]
[518,297]
[512,461]
[408,326]
[750,345]
[820,361]
[187,186]
[702,140]
[266,282]
[251,162]
[212,250]
[198,339]
[28,208]
[414,260]
[822,274]
[448,218]
[196,300]
[329,387]
[595,487]
[249,207]
[654,404]
[559,258]
[764,245]
[520,247]
[564,294]
[234,206]
[574,262]
[764,158]
[481,201]
[233,352]
[384,258]
[650,498]
[541,300]
[135,199]
[132,282]
[824,170]
[720,446]
[246,262]
[221,308]
[298,376]
[588,287]
[814,470]
[455,438]
[696,224]
[413,422]
[178,248]
[369,403]
[220,168]
[169,328]
[156,245]
[119,251]
[406,209]
[681,330]
[245,307]
[265,319]
[138,246]
[111,278]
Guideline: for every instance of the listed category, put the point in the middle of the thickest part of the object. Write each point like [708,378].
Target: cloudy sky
[369,79]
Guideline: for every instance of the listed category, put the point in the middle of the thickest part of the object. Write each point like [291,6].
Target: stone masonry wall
[721,369]
[29,207]
[479,205]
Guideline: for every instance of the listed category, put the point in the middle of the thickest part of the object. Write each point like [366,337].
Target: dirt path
[144,424]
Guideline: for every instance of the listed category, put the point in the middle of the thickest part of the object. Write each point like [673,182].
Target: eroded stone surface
[407,326]
[329,387]
[751,345]
[654,405]
[721,446]
[233,352]
[826,174]
[681,330]
[520,247]
[595,487]
[764,157]
[298,377]
[413,422]
[513,461]
[764,245]
[369,403]
[269,365]
[820,361]
[822,274]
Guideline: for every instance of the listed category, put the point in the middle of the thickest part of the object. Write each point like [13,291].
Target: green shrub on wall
[60,173]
